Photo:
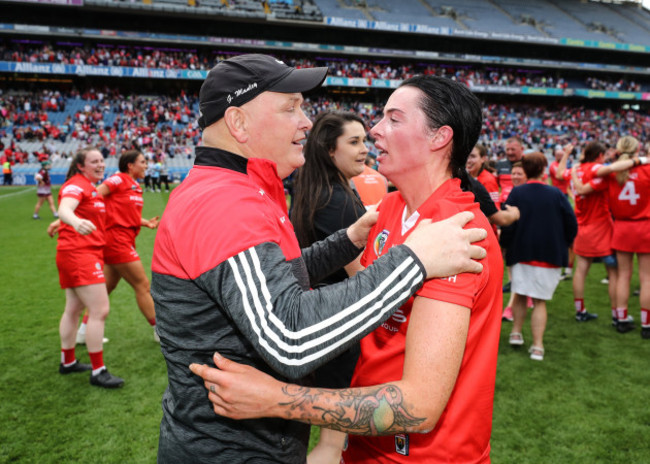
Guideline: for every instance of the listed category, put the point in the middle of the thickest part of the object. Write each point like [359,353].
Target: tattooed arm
[435,344]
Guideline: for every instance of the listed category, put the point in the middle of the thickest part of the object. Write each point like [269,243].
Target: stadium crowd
[115,122]
[177,58]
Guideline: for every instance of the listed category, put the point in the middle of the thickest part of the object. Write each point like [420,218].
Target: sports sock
[621,313]
[645,317]
[152,321]
[97,361]
[614,314]
[579,304]
[68,356]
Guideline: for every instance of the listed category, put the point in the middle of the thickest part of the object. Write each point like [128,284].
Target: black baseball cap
[238,80]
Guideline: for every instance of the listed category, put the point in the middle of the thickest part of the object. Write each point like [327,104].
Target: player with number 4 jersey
[630,205]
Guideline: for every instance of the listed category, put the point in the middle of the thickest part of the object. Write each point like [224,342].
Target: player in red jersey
[80,260]
[595,225]
[123,197]
[629,203]
[425,379]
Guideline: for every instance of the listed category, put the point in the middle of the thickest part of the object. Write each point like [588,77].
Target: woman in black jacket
[537,249]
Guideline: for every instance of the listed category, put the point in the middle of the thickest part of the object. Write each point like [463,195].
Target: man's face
[276,125]
[402,136]
[514,151]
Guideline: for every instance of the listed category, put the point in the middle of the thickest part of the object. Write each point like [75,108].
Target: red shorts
[631,236]
[80,267]
[594,240]
[120,246]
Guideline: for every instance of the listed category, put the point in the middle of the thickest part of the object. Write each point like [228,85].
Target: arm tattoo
[377,410]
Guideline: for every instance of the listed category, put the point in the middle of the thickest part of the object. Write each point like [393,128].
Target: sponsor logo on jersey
[72,190]
[115,180]
[380,242]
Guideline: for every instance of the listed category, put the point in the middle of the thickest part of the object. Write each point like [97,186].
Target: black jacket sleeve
[326,256]
[295,331]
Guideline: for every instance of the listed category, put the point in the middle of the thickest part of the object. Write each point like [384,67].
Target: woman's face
[138,167]
[350,153]
[518,176]
[93,167]
[474,162]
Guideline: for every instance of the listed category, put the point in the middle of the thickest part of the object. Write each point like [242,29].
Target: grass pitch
[585,403]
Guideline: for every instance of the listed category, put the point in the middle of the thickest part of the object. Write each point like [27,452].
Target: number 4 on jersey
[629,193]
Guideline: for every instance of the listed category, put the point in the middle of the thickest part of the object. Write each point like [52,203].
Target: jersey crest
[380,242]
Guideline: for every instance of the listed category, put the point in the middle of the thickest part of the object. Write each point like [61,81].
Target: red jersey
[490,183]
[563,184]
[124,204]
[630,201]
[91,207]
[463,431]
[594,206]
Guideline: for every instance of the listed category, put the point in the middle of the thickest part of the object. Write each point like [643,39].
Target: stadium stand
[90,87]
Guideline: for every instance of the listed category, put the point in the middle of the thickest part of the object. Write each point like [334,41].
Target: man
[560,181]
[514,153]
[229,276]
[423,387]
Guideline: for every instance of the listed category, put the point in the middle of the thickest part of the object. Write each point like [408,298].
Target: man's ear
[443,136]
[235,119]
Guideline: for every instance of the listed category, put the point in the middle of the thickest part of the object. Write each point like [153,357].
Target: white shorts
[534,281]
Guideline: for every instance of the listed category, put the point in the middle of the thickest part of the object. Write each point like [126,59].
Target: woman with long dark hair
[324,202]
[80,260]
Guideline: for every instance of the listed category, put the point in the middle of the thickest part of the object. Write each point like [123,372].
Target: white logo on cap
[240,92]
[279,61]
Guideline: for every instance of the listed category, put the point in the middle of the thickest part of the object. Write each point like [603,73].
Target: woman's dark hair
[314,182]
[592,151]
[128,157]
[79,158]
[449,103]
[534,164]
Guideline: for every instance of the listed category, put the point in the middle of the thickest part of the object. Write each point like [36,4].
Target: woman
[324,202]
[518,177]
[629,203]
[536,249]
[123,198]
[80,261]
[595,226]
[44,190]
[477,162]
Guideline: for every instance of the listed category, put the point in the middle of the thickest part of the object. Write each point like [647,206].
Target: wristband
[643,160]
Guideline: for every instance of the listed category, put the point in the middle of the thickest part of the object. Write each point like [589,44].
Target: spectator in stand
[370,184]
[536,249]
[514,153]
[44,190]
[629,203]
[80,260]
